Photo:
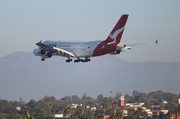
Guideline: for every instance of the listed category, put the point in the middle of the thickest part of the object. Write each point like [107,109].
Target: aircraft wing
[55,49]
[124,47]
[129,46]
[144,43]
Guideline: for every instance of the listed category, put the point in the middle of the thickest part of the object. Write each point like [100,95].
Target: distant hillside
[24,75]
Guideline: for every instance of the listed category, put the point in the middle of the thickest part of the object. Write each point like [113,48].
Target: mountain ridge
[23,75]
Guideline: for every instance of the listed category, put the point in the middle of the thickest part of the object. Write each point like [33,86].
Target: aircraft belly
[85,50]
[83,53]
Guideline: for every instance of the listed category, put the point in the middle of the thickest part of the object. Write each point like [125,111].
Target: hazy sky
[23,23]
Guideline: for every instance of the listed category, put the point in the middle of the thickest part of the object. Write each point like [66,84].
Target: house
[93,108]
[164,111]
[57,116]
[74,106]
[18,108]
[129,108]
[175,117]
[103,117]
[178,101]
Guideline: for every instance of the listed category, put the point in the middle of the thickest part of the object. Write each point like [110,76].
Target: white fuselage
[80,49]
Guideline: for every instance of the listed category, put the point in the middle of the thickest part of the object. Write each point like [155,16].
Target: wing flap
[64,52]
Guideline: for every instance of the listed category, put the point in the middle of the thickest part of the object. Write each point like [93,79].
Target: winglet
[39,42]
[156,41]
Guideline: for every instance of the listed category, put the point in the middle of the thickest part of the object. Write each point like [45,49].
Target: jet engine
[48,54]
[115,52]
[42,53]
[39,52]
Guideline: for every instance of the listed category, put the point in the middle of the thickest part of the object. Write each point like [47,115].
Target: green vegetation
[88,107]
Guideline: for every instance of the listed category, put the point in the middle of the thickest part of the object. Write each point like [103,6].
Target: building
[130,108]
[57,116]
[178,101]
[121,101]
[103,117]
[175,117]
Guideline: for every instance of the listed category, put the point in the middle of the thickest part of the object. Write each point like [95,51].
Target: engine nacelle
[42,53]
[115,52]
[48,54]
[39,52]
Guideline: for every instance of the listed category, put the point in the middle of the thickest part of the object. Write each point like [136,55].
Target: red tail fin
[115,36]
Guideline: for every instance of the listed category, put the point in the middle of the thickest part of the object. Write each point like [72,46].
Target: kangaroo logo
[114,35]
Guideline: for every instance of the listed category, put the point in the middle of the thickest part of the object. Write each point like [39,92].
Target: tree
[110,102]
[90,101]
[144,114]
[49,117]
[138,112]
[31,103]
[67,111]
[8,109]
[147,105]
[139,97]
[155,115]
[118,115]
[128,98]
[105,102]
[99,98]
[175,111]
[170,97]
[161,113]
[75,99]
[48,102]
[28,116]
[83,99]
[80,112]
[154,94]
[134,92]
[66,100]
[118,94]
[179,95]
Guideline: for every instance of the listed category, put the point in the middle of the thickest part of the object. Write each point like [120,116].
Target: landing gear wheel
[42,59]
[118,51]
[68,60]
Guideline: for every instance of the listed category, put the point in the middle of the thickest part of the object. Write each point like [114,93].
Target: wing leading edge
[124,47]
[55,49]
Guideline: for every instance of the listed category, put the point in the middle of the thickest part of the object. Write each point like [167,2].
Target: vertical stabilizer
[115,36]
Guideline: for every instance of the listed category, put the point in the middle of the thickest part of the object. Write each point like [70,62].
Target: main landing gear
[79,60]
[82,60]
[68,60]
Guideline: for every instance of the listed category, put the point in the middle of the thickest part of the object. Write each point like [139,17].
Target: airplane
[83,51]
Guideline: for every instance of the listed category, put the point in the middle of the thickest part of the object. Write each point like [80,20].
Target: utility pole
[3,113]
[111,93]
